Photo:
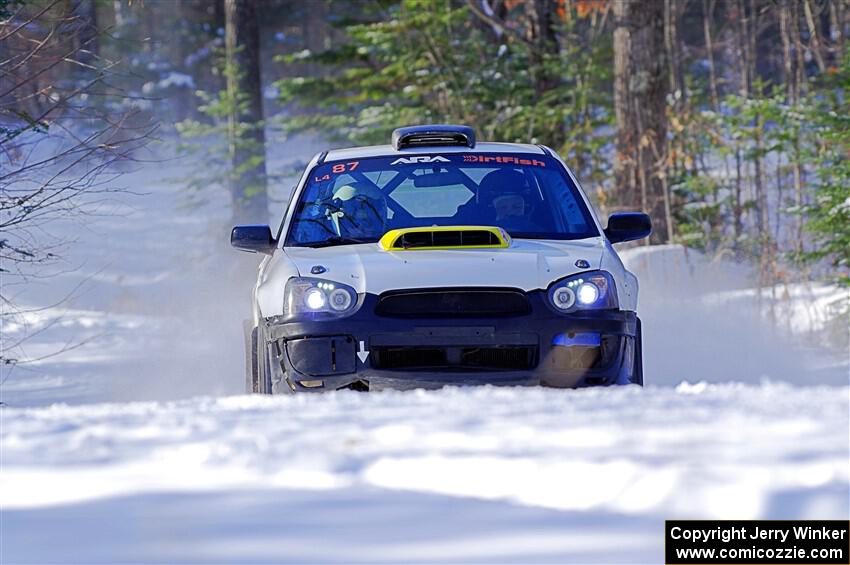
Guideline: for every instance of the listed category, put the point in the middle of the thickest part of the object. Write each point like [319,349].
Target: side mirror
[628,226]
[253,238]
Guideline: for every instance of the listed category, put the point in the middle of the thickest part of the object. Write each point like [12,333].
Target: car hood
[526,264]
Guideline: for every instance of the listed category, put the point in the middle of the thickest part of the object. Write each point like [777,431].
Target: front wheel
[637,364]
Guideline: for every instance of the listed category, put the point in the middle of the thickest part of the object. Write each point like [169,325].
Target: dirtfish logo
[419,159]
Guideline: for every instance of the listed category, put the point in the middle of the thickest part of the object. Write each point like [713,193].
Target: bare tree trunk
[247,138]
[752,23]
[800,78]
[737,206]
[777,224]
[542,32]
[814,39]
[640,91]
[793,96]
[836,26]
[707,20]
[86,31]
[625,165]
[788,62]
[184,98]
[737,19]
[762,217]
[544,47]
[672,12]
[749,38]
[707,24]
[740,13]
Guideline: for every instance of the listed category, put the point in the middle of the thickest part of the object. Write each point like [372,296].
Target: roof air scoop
[434,135]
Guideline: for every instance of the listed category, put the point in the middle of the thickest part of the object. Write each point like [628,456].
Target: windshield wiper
[336,240]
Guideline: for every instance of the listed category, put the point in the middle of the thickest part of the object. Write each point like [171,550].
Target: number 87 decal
[344,167]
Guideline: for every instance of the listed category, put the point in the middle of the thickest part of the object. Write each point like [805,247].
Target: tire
[637,367]
[250,333]
[262,382]
[257,370]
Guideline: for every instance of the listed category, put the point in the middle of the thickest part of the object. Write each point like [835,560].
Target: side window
[310,221]
[571,211]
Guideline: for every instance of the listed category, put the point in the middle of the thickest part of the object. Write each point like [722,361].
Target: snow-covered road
[481,474]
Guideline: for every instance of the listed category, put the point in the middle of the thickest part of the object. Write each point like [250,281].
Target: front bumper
[540,348]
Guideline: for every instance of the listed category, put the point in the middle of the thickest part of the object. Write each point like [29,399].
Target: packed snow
[483,474]
[130,438]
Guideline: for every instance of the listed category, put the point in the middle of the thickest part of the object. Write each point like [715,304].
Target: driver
[359,210]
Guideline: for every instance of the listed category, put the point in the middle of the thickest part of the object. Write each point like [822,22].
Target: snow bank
[806,310]
[703,320]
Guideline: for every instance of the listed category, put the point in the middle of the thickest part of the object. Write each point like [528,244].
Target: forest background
[726,120]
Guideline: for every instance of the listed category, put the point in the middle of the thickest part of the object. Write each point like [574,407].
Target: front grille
[441,303]
[455,358]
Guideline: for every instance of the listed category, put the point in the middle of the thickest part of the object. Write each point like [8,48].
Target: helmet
[361,210]
[506,192]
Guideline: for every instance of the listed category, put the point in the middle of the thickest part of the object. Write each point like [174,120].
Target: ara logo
[419,159]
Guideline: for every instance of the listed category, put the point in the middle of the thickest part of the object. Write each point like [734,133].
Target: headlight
[588,293]
[340,299]
[593,290]
[316,299]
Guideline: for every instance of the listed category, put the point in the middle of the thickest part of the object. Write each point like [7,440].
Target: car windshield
[358,201]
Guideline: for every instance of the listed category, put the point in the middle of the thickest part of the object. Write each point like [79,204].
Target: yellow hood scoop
[445,237]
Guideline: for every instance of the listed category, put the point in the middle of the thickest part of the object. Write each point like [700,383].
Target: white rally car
[437,260]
